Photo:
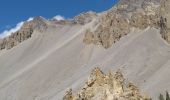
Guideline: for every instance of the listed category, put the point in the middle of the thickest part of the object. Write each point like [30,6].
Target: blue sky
[14,11]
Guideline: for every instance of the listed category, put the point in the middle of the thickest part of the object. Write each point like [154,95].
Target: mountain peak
[113,24]
[38,23]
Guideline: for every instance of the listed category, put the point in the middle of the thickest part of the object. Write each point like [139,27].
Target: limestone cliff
[109,26]
[126,15]
[100,86]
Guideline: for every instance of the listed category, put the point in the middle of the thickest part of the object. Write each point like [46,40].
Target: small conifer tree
[161,97]
[167,96]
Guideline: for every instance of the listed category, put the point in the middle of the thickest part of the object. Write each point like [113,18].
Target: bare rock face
[106,87]
[127,14]
[40,24]
[109,26]
[24,33]
[84,18]
[89,37]
[68,95]
[164,22]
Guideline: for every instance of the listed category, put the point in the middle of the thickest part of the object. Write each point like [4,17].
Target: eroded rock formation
[164,22]
[109,26]
[127,14]
[24,33]
[84,18]
[100,86]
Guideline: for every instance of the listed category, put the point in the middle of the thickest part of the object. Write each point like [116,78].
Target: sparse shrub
[161,97]
[167,96]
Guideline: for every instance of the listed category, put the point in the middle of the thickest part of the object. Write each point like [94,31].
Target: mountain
[46,57]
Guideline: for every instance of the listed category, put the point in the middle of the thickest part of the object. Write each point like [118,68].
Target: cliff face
[106,87]
[165,20]
[84,18]
[40,24]
[24,33]
[110,25]
[126,15]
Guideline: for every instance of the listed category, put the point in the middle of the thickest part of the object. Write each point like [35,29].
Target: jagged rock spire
[100,86]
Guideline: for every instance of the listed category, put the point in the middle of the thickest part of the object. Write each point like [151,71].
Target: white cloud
[58,17]
[8,32]
[13,30]
[30,19]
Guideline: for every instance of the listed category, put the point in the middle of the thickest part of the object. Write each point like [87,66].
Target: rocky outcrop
[40,24]
[24,33]
[84,18]
[109,26]
[100,86]
[127,14]
[164,22]
[15,38]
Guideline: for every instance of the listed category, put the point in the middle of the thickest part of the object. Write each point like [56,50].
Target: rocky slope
[41,24]
[106,87]
[126,15]
[109,26]
[24,33]
[43,64]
